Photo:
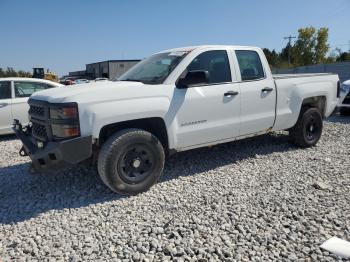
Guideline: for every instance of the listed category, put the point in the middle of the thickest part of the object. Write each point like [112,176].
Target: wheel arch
[318,102]
[154,125]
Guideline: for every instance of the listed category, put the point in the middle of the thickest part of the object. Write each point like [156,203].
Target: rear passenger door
[22,91]
[258,93]
[5,107]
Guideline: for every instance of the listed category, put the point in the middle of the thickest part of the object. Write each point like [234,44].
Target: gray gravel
[254,200]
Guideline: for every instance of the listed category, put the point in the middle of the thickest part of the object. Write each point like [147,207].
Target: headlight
[67,112]
[65,131]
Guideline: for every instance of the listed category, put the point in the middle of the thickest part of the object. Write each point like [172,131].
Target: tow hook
[17,125]
[22,152]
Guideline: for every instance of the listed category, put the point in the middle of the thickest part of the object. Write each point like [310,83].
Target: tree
[10,72]
[311,46]
[271,56]
[303,50]
[321,47]
[343,57]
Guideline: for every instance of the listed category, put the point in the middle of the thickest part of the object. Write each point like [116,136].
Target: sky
[64,35]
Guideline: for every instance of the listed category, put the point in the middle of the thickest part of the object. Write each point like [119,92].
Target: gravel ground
[254,200]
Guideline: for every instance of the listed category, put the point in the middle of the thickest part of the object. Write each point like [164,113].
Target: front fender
[95,116]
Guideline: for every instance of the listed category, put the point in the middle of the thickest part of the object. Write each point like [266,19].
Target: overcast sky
[65,35]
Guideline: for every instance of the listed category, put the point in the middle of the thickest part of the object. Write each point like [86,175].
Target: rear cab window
[5,90]
[250,65]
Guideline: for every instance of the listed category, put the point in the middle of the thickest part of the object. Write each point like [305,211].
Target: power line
[289,46]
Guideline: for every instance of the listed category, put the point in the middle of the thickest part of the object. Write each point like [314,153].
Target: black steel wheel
[308,129]
[131,161]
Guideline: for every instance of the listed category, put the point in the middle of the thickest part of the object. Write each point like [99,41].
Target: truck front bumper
[49,156]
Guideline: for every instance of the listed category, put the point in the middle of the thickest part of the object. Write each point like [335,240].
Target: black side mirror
[193,78]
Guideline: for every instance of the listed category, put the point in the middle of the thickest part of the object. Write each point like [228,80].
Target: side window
[216,63]
[5,89]
[249,65]
[26,89]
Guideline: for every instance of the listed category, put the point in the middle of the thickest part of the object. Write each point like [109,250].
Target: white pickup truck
[175,100]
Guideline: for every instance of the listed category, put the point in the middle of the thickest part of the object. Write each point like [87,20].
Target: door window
[5,89]
[250,65]
[26,89]
[216,63]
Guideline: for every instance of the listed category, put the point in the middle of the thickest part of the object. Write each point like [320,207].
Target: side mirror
[193,78]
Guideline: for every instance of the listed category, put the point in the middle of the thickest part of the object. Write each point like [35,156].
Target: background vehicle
[68,81]
[39,72]
[14,93]
[344,107]
[81,81]
[175,100]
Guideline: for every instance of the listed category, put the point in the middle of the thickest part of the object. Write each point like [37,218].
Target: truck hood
[97,91]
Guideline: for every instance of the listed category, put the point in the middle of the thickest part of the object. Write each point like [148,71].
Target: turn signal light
[65,131]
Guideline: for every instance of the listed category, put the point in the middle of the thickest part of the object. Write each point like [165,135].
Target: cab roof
[191,48]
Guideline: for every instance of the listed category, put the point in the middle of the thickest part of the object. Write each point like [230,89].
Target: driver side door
[208,112]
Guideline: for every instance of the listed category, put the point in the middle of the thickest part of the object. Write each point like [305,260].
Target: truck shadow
[339,119]
[24,196]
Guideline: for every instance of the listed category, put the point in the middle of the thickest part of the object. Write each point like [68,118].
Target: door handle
[3,105]
[231,93]
[267,89]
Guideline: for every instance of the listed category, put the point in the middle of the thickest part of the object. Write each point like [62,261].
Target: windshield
[154,69]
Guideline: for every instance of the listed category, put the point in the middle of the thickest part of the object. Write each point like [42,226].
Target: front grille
[39,117]
[39,131]
[41,123]
[37,110]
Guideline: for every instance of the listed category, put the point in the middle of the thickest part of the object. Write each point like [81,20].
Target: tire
[344,111]
[131,161]
[308,129]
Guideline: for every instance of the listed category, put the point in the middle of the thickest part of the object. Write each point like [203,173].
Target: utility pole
[289,46]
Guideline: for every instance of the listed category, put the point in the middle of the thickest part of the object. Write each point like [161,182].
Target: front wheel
[308,129]
[131,161]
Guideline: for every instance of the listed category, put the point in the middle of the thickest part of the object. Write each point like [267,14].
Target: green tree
[311,46]
[2,73]
[10,72]
[343,57]
[322,46]
[271,56]
[303,52]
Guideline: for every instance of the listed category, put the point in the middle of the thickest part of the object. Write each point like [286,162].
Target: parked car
[67,81]
[14,93]
[344,107]
[101,79]
[173,101]
[82,81]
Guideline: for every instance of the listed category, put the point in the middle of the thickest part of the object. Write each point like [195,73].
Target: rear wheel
[308,129]
[131,161]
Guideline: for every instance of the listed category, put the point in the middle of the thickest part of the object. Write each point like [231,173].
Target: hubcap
[136,163]
[312,129]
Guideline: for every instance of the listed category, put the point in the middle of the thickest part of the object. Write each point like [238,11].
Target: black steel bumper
[49,156]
